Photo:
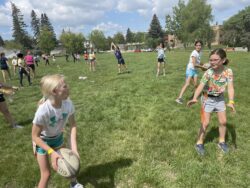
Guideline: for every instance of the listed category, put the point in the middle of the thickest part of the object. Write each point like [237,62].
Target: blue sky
[110,16]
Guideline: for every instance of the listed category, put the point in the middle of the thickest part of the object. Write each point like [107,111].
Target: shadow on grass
[213,133]
[102,175]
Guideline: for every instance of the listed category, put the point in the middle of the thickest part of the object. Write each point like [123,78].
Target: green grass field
[131,132]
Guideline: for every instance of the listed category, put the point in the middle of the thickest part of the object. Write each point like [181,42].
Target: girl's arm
[36,131]
[73,132]
[196,94]
[231,96]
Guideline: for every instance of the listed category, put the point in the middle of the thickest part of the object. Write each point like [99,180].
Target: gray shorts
[214,104]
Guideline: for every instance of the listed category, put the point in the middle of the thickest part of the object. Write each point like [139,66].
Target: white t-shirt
[197,55]
[53,120]
[14,62]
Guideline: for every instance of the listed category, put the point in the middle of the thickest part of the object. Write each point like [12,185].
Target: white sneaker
[17,126]
[77,185]
[179,100]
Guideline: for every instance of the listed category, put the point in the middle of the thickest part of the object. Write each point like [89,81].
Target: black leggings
[21,72]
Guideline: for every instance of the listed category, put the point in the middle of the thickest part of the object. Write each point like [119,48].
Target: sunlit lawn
[131,133]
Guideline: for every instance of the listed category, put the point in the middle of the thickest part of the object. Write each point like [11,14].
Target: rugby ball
[69,165]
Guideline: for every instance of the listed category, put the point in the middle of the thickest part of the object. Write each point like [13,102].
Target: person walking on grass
[14,64]
[5,89]
[160,59]
[22,69]
[214,82]
[4,66]
[191,71]
[54,111]
[92,60]
[118,55]
[30,63]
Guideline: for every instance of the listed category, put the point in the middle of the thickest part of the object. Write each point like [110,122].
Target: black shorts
[1,98]
[161,60]
[32,66]
[121,61]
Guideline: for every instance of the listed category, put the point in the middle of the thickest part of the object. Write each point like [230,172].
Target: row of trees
[237,29]
[43,33]
[189,22]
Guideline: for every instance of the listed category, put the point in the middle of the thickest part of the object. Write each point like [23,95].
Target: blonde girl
[54,111]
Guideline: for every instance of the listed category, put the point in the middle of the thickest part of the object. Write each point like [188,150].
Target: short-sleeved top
[92,56]
[53,120]
[197,55]
[29,59]
[161,53]
[14,62]
[3,63]
[216,83]
[118,54]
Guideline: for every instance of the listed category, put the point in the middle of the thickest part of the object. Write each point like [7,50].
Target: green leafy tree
[72,42]
[20,35]
[12,44]
[1,41]
[192,21]
[129,36]
[97,37]
[169,25]
[140,37]
[45,40]
[237,29]
[119,38]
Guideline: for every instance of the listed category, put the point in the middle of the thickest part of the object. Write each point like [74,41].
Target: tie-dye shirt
[217,83]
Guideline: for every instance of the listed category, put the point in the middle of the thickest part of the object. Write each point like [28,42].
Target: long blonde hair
[48,84]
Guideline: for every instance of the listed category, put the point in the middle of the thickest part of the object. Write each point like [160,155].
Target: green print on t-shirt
[52,121]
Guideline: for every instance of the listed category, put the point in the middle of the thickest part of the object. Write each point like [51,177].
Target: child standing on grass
[191,71]
[92,60]
[3,106]
[214,81]
[54,111]
[119,57]
[160,59]
[4,66]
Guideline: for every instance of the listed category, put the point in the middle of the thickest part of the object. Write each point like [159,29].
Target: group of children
[56,109]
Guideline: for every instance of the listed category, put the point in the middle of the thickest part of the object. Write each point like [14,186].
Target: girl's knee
[45,175]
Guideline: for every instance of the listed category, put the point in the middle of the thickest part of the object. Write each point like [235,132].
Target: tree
[155,30]
[237,29]
[97,37]
[119,38]
[45,22]
[35,24]
[1,41]
[192,21]
[45,40]
[169,25]
[72,42]
[140,37]
[20,35]
[129,36]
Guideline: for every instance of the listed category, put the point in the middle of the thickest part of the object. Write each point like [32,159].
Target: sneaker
[223,146]
[179,100]
[200,149]
[76,185]
[17,127]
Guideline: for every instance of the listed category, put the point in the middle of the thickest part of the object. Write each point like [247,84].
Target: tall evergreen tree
[45,22]
[155,30]
[35,24]
[1,41]
[129,36]
[20,35]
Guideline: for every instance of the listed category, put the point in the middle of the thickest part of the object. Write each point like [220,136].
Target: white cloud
[82,14]
[109,28]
